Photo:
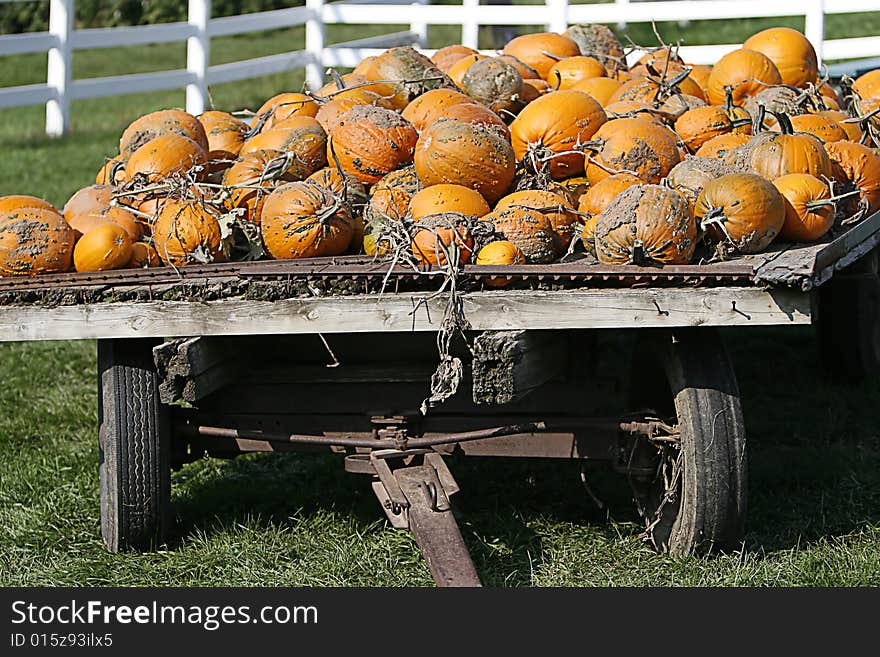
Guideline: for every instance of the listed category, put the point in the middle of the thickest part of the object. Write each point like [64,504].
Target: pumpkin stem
[337,79]
[758,124]
[555,58]
[818,203]
[784,122]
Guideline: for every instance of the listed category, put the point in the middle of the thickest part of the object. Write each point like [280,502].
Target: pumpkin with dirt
[34,241]
[494,83]
[858,167]
[634,146]
[159,124]
[529,230]
[187,232]
[690,176]
[556,207]
[441,237]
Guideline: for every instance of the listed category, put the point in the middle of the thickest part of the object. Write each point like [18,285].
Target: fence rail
[62,40]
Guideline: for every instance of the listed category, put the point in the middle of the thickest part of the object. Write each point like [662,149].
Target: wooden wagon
[528,368]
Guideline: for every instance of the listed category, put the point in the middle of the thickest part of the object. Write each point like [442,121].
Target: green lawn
[814,516]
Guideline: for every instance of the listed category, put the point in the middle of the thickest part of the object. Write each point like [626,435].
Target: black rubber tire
[700,387]
[134,447]
[848,329]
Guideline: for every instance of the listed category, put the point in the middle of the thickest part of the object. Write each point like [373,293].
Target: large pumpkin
[427,108]
[370,141]
[165,156]
[646,224]
[741,210]
[34,241]
[447,198]
[859,168]
[439,237]
[549,131]
[159,124]
[300,135]
[809,210]
[700,124]
[745,72]
[18,201]
[541,50]
[556,207]
[187,232]
[632,146]
[304,220]
[773,154]
[791,52]
[225,133]
[529,230]
[466,154]
[252,178]
[103,248]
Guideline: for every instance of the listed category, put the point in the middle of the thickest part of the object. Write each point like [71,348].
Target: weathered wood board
[495,310]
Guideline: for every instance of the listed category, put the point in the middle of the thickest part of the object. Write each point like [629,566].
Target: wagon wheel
[692,492]
[134,445]
[848,329]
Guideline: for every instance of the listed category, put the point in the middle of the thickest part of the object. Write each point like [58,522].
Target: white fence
[62,40]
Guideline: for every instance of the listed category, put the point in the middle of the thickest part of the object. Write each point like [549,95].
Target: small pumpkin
[525,71]
[697,126]
[558,210]
[529,230]
[187,232]
[165,156]
[809,210]
[501,252]
[717,147]
[304,220]
[852,130]
[370,141]
[34,240]
[458,70]
[790,51]
[112,173]
[424,110]
[300,135]
[143,255]
[405,179]
[646,224]
[636,146]
[466,154]
[548,131]
[568,72]
[448,55]
[599,88]
[444,197]
[387,204]
[822,127]
[439,237]
[859,168]
[159,124]
[541,50]
[253,177]
[744,73]
[103,248]
[285,106]
[344,185]
[226,134]
[867,85]
[599,196]
[741,210]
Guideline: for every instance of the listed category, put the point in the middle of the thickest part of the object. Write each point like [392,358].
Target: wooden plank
[495,310]
[507,365]
[192,368]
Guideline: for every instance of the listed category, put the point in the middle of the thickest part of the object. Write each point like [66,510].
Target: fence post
[421,27]
[198,56]
[470,28]
[58,67]
[557,11]
[315,36]
[621,25]
[814,26]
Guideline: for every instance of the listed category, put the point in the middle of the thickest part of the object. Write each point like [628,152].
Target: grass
[814,516]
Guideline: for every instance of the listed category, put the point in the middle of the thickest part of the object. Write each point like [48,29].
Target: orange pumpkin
[699,125]
[700,74]
[159,124]
[425,109]
[599,196]
[225,134]
[599,88]
[439,237]
[301,135]
[285,106]
[405,179]
[447,198]
[476,114]
[186,233]
[632,146]
[526,71]
[819,126]
[568,72]
[165,156]
[859,167]
[408,71]
[448,55]
[304,220]
[103,248]
[717,147]
[555,207]
[774,154]
[548,131]
[741,210]
[867,85]
[93,206]
[646,224]
[342,184]
[746,72]
[34,240]
[541,50]
[690,176]
[19,201]
[651,91]
[466,154]
[809,210]
[501,252]
[458,70]
[370,141]
[790,51]
[387,204]
[333,110]
[143,255]
[252,178]
[852,130]
[529,230]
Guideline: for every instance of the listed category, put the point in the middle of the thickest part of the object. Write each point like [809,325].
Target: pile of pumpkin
[553,145]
